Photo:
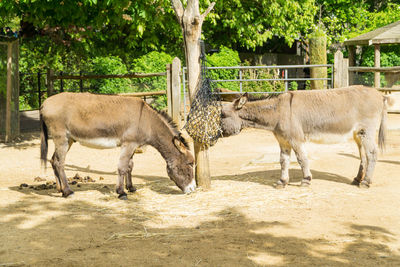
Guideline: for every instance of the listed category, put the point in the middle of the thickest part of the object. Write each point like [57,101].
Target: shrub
[108,65]
[224,58]
[151,63]
[390,57]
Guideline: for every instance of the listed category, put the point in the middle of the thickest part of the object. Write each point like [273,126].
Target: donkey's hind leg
[371,152]
[363,160]
[62,145]
[123,168]
[54,164]
[128,178]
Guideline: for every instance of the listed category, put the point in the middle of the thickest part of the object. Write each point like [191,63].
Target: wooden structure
[389,34]
[173,86]
[9,89]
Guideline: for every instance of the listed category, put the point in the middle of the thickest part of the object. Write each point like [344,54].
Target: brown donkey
[102,121]
[321,116]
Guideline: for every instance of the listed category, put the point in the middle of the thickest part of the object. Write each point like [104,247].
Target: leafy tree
[344,19]
[251,23]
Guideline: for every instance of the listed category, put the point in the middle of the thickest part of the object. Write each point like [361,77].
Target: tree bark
[318,57]
[191,22]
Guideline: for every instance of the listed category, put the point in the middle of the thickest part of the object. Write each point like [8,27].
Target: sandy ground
[241,221]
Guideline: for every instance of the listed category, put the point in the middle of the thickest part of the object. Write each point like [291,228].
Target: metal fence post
[50,82]
[61,83]
[240,78]
[39,90]
[80,82]
[286,81]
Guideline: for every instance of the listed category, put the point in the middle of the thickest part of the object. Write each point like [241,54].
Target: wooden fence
[173,87]
[343,73]
[344,76]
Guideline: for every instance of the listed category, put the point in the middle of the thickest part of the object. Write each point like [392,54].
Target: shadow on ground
[379,160]
[163,185]
[78,233]
[23,141]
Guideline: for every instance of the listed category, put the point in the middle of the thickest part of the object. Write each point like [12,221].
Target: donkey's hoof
[123,197]
[364,185]
[355,182]
[68,193]
[132,189]
[279,185]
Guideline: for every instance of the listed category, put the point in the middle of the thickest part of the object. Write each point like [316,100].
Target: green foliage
[108,65]
[344,19]
[252,23]
[293,86]
[224,58]
[390,57]
[262,86]
[151,63]
[92,28]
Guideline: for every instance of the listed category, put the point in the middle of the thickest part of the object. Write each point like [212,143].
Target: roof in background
[389,34]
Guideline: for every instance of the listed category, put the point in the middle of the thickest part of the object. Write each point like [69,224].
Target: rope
[203,122]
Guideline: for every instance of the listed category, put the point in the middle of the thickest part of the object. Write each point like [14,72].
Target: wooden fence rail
[107,76]
[173,87]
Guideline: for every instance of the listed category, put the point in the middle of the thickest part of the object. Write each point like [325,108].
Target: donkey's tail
[43,142]
[382,127]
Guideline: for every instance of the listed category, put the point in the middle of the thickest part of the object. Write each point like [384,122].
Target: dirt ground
[242,221]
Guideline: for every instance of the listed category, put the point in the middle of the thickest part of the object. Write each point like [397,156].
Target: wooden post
[169,89]
[9,90]
[377,64]
[191,22]
[50,82]
[176,90]
[9,93]
[340,71]
[345,72]
[352,62]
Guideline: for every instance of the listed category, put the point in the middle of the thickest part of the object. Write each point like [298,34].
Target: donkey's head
[231,123]
[180,168]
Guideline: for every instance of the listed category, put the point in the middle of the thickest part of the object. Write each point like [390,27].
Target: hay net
[203,122]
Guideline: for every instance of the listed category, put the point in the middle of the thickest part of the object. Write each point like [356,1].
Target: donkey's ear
[239,103]
[179,145]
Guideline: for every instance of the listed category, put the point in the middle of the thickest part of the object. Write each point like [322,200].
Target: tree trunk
[318,57]
[191,22]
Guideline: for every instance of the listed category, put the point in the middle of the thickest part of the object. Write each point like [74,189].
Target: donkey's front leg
[302,159]
[123,168]
[285,162]
[128,178]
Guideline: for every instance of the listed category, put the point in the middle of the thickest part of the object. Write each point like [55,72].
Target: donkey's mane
[258,97]
[167,118]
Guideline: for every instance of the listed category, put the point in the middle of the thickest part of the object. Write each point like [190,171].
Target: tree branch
[207,11]
[178,7]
